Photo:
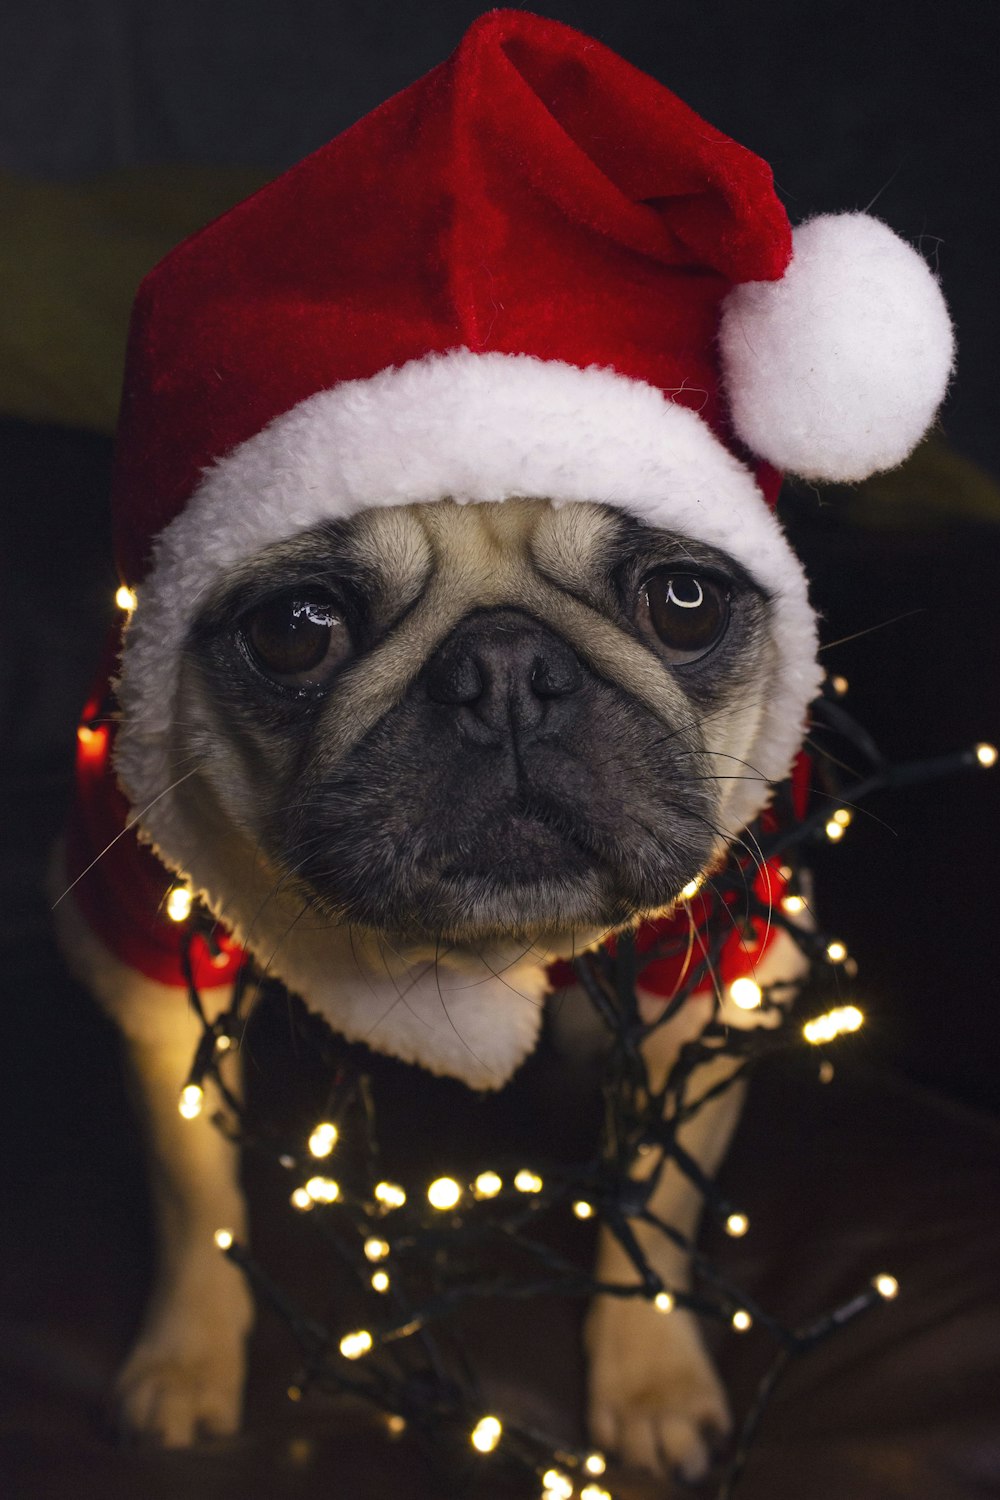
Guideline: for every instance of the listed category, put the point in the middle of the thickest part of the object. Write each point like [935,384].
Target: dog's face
[457,723]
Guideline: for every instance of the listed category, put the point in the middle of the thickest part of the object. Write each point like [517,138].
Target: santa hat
[535,272]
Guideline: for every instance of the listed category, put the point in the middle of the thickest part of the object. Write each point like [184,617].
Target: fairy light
[191,1100]
[595,1463]
[443,1193]
[389,1194]
[486,1434]
[380,1281]
[834,1023]
[834,831]
[487,1185]
[583,1209]
[395,1424]
[986,754]
[323,1138]
[692,888]
[527,1181]
[223,1238]
[746,994]
[594,1492]
[355,1345]
[179,903]
[664,1302]
[737,1225]
[557,1484]
[323,1189]
[843,817]
[376,1249]
[793,903]
[301,1200]
[839,685]
[836,952]
[742,1320]
[125,598]
[223,1043]
[886,1286]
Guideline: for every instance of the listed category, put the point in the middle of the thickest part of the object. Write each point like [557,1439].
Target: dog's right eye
[296,640]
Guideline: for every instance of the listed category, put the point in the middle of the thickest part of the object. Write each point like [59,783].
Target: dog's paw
[183,1381]
[655,1398]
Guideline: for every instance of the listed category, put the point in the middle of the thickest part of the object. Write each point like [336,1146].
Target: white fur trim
[837,370]
[472,428]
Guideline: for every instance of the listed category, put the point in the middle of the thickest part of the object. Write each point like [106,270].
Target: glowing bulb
[886,1286]
[294,1393]
[125,598]
[834,1023]
[737,1225]
[390,1194]
[663,1302]
[839,685]
[834,831]
[354,1345]
[223,1238]
[395,1423]
[179,903]
[583,1209]
[443,1193]
[594,1492]
[376,1249]
[746,994]
[836,952]
[557,1484]
[323,1189]
[380,1281]
[842,817]
[487,1185]
[486,1434]
[986,755]
[223,1043]
[528,1182]
[323,1138]
[595,1463]
[692,888]
[742,1320]
[301,1200]
[191,1100]
[793,903]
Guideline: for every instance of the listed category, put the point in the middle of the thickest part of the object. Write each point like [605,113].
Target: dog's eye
[687,612]
[298,641]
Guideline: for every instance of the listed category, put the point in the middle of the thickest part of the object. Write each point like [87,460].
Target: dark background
[891,105]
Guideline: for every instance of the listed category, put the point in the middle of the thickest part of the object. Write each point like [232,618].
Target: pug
[462,631]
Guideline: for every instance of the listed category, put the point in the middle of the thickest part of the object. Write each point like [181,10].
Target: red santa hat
[535,272]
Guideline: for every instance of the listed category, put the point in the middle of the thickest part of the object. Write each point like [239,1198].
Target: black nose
[501,670]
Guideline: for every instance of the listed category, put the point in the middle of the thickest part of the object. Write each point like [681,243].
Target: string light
[834,831]
[223,1042]
[376,1249]
[389,1194]
[191,1100]
[664,1302]
[125,598]
[843,817]
[486,1434]
[594,1492]
[179,903]
[527,1181]
[886,1286]
[323,1189]
[323,1139]
[839,685]
[737,1225]
[301,1200]
[986,754]
[836,952]
[380,1281]
[746,994]
[443,1193]
[223,1238]
[793,903]
[487,1185]
[355,1345]
[834,1023]
[396,1424]
[558,1485]
[583,1209]
[742,1320]
[692,888]
[595,1463]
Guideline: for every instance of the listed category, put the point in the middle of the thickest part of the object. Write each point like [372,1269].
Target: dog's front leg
[184,1376]
[655,1397]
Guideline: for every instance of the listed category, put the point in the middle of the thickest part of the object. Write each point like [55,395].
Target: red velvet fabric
[533,194]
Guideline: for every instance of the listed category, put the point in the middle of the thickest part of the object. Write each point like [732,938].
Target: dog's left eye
[686,612]
[297,641]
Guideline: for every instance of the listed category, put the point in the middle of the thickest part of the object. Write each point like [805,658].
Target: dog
[464,632]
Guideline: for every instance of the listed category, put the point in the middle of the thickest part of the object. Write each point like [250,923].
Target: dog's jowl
[464,629]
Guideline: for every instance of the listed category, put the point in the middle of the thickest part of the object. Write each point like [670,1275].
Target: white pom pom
[836,370]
